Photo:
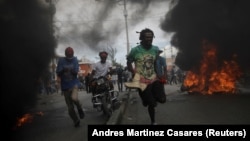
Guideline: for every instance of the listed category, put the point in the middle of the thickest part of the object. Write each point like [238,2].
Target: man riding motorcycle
[103,68]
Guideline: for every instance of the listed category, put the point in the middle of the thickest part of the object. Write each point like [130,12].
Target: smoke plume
[225,23]
[102,21]
[27,46]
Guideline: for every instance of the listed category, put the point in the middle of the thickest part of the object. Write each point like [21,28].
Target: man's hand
[162,79]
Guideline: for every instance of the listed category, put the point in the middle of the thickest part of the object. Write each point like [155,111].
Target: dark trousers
[120,85]
[154,93]
[87,87]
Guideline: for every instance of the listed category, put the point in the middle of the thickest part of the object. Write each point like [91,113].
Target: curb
[117,114]
[116,117]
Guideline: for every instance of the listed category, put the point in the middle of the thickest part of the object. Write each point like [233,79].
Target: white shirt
[101,69]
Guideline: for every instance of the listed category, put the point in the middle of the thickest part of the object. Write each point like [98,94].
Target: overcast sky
[89,26]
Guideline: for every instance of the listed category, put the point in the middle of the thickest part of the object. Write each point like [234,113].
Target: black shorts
[154,93]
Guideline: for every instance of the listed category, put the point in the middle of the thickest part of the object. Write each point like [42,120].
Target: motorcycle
[104,98]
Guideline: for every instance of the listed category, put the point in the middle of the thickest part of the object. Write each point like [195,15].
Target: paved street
[184,108]
[180,109]
[54,124]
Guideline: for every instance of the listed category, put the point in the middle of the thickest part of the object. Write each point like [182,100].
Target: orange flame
[210,78]
[26,118]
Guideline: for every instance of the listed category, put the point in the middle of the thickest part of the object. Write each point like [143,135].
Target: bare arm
[110,71]
[130,68]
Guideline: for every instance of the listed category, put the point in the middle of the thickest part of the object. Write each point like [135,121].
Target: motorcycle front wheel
[107,106]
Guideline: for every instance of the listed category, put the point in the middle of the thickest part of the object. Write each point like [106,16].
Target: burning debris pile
[210,77]
[213,42]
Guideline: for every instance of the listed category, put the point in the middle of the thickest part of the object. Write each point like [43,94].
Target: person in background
[81,80]
[67,70]
[144,76]
[114,78]
[87,80]
[173,78]
[161,68]
[127,77]
[91,78]
[48,87]
[120,78]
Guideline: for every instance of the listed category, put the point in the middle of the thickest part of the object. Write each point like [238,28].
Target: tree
[112,52]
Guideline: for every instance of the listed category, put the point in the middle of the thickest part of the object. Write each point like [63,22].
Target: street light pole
[172,55]
[126,24]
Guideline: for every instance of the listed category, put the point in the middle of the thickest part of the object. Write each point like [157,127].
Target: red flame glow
[212,78]
[26,118]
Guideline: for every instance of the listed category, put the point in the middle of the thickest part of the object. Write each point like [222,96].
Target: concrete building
[85,66]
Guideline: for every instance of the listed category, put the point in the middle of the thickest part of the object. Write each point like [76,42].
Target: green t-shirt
[144,60]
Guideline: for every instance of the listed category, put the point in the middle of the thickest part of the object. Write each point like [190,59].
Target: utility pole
[171,49]
[126,24]
[165,55]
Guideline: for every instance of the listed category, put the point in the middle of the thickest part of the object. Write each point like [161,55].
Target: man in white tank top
[102,68]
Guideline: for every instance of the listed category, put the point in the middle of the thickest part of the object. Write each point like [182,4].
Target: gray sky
[89,26]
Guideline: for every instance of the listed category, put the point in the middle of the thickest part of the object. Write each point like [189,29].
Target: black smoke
[27,46]
[96,32]
[96,35]
[222,22]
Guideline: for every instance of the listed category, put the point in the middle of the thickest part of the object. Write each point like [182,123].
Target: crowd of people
[146,71]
